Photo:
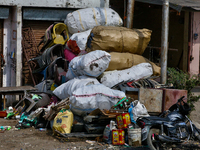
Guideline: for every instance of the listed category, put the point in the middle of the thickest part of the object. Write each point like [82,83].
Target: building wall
[195,43]
[13,25]
[12,38]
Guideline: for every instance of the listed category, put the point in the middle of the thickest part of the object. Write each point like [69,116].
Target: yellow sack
[63,121]
[118,39]
[121,61]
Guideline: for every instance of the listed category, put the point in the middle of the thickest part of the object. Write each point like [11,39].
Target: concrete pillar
[12,71]
[19,47]
[6,51]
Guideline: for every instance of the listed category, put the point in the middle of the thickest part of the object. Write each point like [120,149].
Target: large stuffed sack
[81,38]
[118,39]
[112,78]
[63,121]
[65,90]
[87,18]
[121,61]
[88,98]
[91,64]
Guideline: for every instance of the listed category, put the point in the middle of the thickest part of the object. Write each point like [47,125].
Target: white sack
[81,38]
[87,18]
[88,98]
[91,64]
[139,110]
[111,78]
[65,90]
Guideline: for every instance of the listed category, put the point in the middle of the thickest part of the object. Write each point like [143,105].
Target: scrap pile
[85,62]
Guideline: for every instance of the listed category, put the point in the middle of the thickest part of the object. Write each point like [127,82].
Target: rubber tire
[198,137]
[197,130]
[149,140]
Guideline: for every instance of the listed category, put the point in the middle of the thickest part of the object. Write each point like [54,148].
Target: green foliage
[185,81]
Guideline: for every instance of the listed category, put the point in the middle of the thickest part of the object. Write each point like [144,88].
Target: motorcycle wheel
[197,135]
[153,143]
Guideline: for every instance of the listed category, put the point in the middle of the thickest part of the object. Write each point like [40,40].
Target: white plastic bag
[88,98]
[111,78]
[139,110]
[87,18]
[91,64]
[65,90]
[81,38]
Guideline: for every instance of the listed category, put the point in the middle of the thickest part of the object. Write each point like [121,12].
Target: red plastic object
[123,120]
[3,114]
[73,46]
[120,123]
[118,137]
[130,84]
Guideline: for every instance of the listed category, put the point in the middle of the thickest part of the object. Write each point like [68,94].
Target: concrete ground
[195,115]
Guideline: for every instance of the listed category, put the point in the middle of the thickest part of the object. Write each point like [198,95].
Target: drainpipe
[130,11]
[164,40]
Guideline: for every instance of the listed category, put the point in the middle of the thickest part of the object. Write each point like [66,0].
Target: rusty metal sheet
[170,97]
[152,99]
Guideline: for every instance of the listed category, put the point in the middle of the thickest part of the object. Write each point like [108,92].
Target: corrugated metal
[160,2]
[1,50]
[57,3]
[186,3]
[4,12]
[38,29]
[176,4]
[46,14]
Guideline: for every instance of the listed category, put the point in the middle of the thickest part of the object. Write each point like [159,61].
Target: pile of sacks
[100,54]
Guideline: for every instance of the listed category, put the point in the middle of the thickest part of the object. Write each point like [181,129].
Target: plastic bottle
[42,129]
[5,127]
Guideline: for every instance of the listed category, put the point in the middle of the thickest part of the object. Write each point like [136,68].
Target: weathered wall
[12,73]
[57,3]
[13,33]
[195,43]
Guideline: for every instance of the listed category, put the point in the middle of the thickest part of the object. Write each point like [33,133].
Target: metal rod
[130,12]
[164,40]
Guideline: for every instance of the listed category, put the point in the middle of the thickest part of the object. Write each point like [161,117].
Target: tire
[197,133]
[153,144]
[198,138]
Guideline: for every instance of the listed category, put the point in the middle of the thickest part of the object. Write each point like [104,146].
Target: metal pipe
[164,40]
[130,12]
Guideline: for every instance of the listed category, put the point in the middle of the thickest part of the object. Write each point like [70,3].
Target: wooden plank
[16,89]
[185,42]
